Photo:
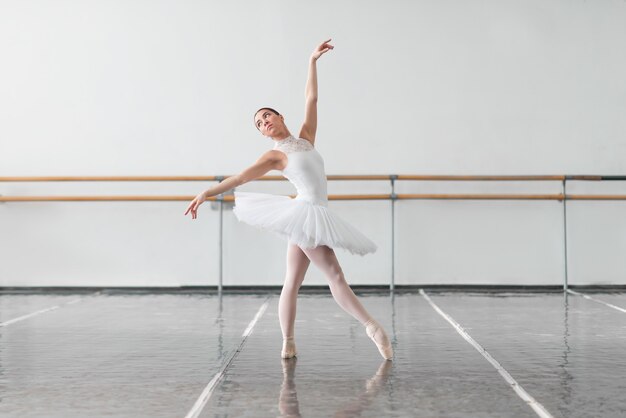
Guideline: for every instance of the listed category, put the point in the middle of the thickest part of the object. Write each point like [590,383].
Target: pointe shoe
[289,348]
[378,335]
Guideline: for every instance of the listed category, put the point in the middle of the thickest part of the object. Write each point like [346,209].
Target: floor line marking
[30,315]
[536,406]
[204,397]
[597,300]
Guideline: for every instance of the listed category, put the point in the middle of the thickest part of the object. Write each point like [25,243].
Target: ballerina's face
[268,122]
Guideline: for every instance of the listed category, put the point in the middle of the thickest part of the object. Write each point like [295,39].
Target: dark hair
[265,108]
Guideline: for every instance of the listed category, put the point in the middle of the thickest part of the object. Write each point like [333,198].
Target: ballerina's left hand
[323,48]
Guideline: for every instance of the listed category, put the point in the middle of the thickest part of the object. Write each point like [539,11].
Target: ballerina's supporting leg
[325,259]
[297,264]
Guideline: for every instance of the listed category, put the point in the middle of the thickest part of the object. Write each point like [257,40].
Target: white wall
[430,87]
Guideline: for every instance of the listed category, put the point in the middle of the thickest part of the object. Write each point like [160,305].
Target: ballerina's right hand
[323,48]
[193,206]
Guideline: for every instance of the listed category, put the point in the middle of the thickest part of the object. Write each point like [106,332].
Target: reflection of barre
[610,305]
[288,398]
[30,315]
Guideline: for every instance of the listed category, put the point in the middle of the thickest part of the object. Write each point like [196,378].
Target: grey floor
[168,355]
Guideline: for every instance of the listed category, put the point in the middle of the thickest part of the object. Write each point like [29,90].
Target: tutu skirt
[300,222]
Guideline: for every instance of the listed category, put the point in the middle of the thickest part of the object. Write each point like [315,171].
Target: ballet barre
[385,177]
[230,198]
[393,197]
[329,177]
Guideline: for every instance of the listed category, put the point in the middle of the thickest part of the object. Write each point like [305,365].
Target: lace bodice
[292,144]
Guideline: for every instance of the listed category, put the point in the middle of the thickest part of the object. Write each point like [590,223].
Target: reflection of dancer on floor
[289,406]
[312,230]
[373,385]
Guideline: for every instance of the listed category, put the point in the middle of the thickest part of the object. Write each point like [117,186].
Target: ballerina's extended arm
[271,160]
[309,127]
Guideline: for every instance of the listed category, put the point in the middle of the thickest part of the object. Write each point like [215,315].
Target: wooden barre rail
[175,178]
[330,177]
[390,177]
[230,198]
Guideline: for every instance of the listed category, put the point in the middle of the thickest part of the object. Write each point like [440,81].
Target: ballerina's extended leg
[325,259]
[297,264]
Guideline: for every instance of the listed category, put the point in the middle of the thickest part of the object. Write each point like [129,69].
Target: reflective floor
[185,355]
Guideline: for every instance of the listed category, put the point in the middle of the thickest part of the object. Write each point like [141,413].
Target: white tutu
[300,222]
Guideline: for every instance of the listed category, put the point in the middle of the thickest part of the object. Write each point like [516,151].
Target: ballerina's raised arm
[309,126]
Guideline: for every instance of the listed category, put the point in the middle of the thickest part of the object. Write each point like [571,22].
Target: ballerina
[311,229]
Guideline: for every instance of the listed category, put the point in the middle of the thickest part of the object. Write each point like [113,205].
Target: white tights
[298,260]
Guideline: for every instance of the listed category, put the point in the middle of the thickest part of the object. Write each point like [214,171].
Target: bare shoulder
[273,154]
